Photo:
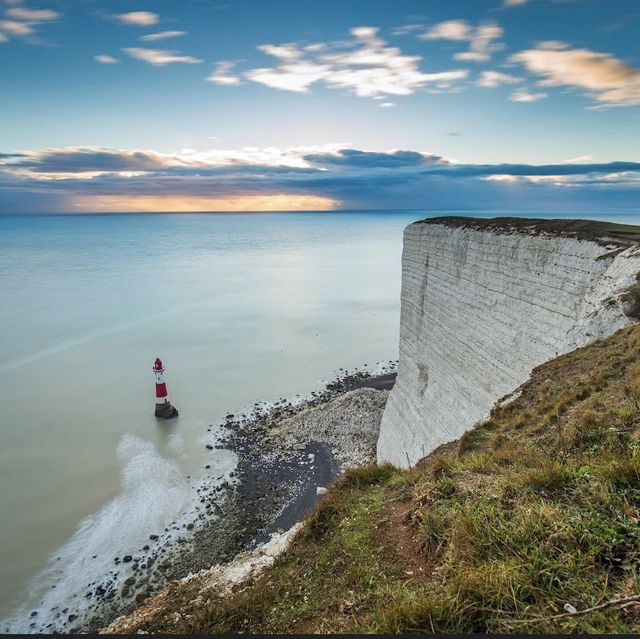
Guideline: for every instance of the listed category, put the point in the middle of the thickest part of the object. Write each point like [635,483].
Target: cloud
[605,78]
[354,158]
[160,57]
[32,15]
[581,159]
[16,28]
[514,3]
[84,160]
[482,43]
[162,35]
[105,59]
[481,38]
[304,160]
[407,29]
[386,105]
[297,76]
[67,160]
[21,22]
[364,65]
[492,79]
[88,178]
[139,18]
[522,95]
[221,74]
[449,30]
[282,51]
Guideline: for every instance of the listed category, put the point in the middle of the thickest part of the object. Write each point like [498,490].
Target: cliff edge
[483,302]
[527,524]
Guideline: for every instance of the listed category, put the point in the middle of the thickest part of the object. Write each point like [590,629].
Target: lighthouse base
[166,411]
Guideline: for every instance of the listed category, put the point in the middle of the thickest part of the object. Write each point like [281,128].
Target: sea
[240,307]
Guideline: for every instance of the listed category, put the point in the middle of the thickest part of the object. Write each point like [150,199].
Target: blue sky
[254,104]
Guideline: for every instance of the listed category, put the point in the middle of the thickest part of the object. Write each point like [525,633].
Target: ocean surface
[241,308]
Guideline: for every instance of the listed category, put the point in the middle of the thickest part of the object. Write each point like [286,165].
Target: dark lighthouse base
[166,411]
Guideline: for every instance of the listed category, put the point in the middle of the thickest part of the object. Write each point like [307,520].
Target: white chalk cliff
[483,302]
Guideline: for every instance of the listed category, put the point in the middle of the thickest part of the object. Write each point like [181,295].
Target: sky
[228,105]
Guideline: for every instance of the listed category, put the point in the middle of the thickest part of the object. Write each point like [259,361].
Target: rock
[71,618]
[130,581]
[166,411]
[483,303]
[189,526]
[153,537]
[321,490]
[127,558]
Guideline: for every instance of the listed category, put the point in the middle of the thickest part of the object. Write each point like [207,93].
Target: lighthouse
[164,409]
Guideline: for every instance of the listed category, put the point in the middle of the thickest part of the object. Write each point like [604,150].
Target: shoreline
[276,477]
[281,463]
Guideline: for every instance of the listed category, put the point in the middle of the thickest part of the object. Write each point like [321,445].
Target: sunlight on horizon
[201,204]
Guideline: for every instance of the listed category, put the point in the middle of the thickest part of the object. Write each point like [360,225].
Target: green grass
[534,509]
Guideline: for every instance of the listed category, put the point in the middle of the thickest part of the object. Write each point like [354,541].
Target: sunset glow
[195,204]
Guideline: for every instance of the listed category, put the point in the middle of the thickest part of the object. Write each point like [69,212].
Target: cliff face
[484,302]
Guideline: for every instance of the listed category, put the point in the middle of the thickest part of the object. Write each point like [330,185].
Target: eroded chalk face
[481,306]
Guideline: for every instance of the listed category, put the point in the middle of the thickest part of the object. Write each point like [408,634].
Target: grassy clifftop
[605,233]
[533,513]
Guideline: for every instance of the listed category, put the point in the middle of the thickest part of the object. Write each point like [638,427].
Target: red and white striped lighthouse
[164,409]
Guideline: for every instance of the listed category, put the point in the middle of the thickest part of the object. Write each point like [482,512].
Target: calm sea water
[241,308]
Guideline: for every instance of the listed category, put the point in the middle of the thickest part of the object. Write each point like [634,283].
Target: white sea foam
[153,494]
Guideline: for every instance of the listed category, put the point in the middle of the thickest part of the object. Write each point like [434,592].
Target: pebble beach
[288,451]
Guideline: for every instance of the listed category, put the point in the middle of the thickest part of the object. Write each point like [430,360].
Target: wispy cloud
[407,29]
[105,59]
[514,3]
[492,79]
[522,95]
[222,74]
[32,15]
[162,35]
[364,65]
[482,39]
[15,28]
[581,159]
[138,18]
[608,80]
[160,57]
